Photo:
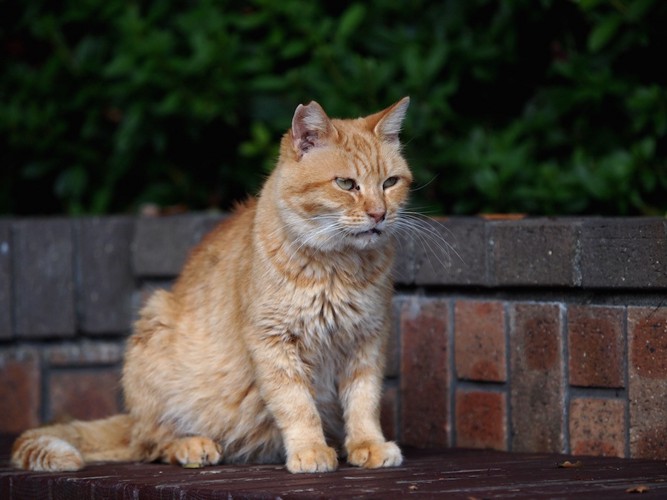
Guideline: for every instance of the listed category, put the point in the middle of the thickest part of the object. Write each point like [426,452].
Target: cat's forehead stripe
[365,153]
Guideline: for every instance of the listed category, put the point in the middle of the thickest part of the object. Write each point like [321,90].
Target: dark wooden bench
[449,473]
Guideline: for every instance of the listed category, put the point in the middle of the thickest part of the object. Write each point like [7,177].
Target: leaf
[640,488]
[589,4]
[350,21]
[603,32]
[435,61]
[70,186]
[569,465]
[192,465]
[637,9]
[36,169]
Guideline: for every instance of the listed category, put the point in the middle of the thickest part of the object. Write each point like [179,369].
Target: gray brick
[106,280]
[82,353]
[534,252]
[624,253]
[44,278]
[403,272]
[161,244]
[450,252]
[5,280]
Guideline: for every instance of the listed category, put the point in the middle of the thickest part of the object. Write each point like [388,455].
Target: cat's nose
[377,215]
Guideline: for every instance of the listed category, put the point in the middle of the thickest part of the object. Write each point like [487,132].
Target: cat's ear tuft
[310,127]
[387,123]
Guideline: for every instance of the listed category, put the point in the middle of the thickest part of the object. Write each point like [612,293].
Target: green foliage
[544,107]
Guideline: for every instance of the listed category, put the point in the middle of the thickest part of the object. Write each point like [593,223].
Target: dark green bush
[544,107]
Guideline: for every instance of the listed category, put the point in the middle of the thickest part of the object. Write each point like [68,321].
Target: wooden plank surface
[450,473]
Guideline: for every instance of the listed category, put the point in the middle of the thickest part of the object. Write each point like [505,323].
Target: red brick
[595,340]
[19,391]
[597,427]
[648,348]
[389,412]
[480,340]
[392,367]
[537,397]
[424,372]
[84,394]
[481,420]
[647,391]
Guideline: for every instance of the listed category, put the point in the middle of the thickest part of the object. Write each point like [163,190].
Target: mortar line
[565,382]
[626,381]
[508,379]
[13,282]
[453,381]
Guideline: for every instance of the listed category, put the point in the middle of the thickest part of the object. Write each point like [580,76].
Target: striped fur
[270,345]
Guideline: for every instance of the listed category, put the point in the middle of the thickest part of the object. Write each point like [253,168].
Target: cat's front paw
[315,458]
[195,451]
[374,454]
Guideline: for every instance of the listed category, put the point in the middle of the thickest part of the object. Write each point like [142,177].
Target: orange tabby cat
[270,346]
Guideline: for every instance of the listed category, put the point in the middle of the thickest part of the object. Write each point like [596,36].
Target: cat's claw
[372,454]
[317,458]
[193,452]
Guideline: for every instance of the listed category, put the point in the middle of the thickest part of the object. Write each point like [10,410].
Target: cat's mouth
[370,232]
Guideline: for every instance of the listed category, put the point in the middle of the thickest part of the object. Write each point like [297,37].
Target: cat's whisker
[289,224]
[441,254]
[417,188]
[432,235]
[306,242]
[427,223]
[420,211]
[428,237]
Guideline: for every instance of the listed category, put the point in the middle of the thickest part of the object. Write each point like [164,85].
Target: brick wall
[545,335]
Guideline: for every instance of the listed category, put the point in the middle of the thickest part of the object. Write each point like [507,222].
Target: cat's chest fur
[327,304]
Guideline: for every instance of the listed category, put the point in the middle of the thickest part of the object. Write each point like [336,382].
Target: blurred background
[532,106]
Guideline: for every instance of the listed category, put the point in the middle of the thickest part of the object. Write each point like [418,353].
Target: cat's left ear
[387,123]
[310,128]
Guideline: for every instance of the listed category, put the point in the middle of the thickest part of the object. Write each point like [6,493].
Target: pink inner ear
[309,125]
[307,141]
[389,121]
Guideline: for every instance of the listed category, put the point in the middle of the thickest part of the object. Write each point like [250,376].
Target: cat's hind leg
[192,451]
[67,447]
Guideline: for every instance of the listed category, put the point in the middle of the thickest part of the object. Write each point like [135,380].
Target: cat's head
[342,183]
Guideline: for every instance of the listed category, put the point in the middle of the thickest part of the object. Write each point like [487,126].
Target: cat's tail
[67,447]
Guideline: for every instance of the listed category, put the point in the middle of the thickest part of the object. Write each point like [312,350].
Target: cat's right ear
[310,127]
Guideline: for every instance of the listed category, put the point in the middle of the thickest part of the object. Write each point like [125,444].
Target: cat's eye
[391,181]
[346,184]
